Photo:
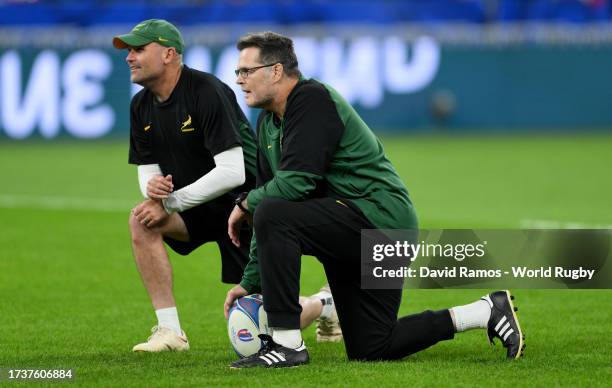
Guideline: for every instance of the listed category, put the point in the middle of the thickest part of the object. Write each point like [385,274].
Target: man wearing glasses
[195,151]
[322,178]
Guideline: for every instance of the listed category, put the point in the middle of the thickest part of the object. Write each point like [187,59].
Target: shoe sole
[167,349]
[337,338]
[518,326]
[270,367]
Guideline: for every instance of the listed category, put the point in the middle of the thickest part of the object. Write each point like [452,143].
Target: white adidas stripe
[272,357]
[275,357]
[503,330]
[508,333]
[277,354]
[266,360]
[501,322]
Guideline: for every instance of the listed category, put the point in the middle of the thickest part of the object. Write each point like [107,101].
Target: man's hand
[236,292]
[234,223]
[159,187]
[150,213]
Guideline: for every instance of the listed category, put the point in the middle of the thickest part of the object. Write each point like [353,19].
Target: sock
[291,339]
[168,317]
[328,307]
[471,316]
[327,301]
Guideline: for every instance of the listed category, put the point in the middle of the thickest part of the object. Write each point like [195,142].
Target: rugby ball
[247,319]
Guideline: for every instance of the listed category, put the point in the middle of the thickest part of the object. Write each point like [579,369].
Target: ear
[278,72]
[168,54]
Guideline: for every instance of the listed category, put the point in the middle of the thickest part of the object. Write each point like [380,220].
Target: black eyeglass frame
[244,72]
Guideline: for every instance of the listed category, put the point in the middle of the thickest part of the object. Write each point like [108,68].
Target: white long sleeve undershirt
[227,174]
[146,172]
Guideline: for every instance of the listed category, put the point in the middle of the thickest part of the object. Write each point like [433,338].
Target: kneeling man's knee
[269,211]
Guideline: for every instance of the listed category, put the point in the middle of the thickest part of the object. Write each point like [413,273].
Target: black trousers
[330,230]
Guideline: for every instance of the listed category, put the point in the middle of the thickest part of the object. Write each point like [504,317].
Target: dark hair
[274,48]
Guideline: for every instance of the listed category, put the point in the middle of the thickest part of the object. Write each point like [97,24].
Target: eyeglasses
[244,72]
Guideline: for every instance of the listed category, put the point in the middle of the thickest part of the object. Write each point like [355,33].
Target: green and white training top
[322,148]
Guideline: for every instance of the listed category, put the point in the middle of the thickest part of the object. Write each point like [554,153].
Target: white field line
[65,203]
[12,201]
[553,224]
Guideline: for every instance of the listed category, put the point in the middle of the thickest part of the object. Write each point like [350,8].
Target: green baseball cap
[152,30]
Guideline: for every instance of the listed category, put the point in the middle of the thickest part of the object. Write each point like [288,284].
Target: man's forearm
[228,174]
[146,172]
[289,185]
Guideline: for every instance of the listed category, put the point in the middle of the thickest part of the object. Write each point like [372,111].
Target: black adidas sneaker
[273,355]
[504,323]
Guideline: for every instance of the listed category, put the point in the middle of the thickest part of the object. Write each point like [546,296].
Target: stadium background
[497,113]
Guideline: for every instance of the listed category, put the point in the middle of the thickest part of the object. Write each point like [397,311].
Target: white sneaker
[328,329]
[163,340]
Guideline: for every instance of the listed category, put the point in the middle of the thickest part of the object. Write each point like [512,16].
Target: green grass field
[71,296]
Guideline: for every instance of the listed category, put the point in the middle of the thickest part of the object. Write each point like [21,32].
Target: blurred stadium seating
[311,11]
[406,65]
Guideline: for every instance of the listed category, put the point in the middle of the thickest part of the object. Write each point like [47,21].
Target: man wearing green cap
[192,145]
[152,30]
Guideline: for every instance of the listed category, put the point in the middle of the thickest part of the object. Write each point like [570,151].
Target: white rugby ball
[247,319]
